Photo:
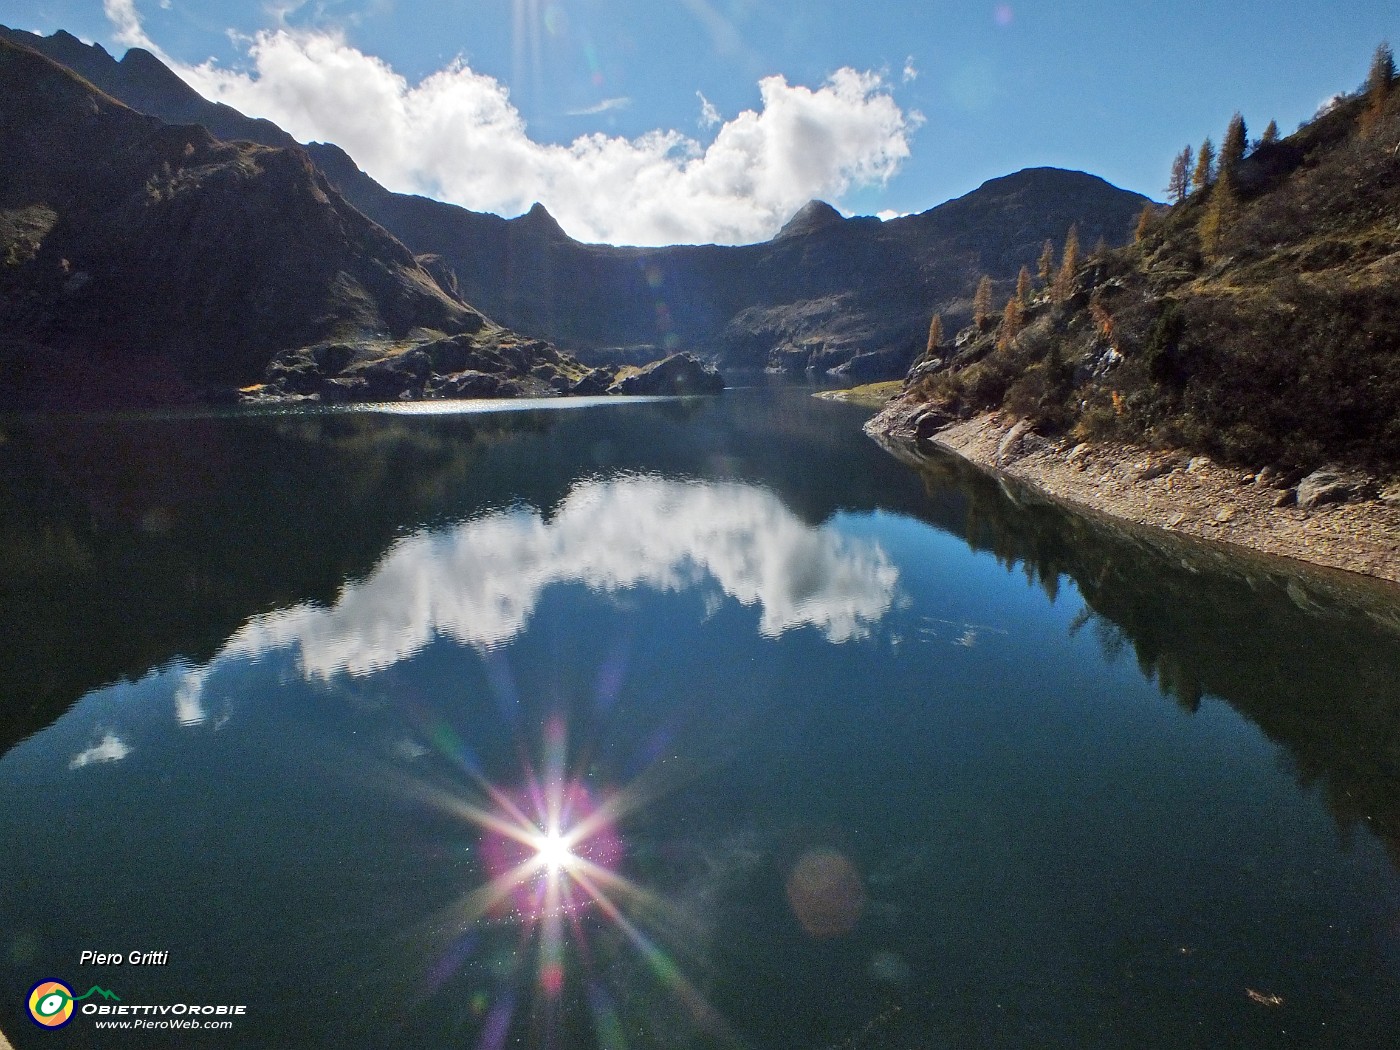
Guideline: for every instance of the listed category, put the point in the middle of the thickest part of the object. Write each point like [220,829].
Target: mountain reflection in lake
[680,724]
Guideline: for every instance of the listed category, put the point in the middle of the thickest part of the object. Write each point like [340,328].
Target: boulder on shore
[1330,485]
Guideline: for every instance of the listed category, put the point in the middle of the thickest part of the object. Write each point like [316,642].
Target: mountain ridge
[148,263]
[828,293]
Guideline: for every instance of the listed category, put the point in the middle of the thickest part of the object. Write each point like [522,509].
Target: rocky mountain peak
[813,216]
[538,220]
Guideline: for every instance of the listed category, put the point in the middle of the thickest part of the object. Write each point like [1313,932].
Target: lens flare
[549,906]
[553,850]
[541,839]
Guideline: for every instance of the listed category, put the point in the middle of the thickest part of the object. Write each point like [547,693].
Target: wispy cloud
[456,135]
[709,114]
[911,72]
[605,106]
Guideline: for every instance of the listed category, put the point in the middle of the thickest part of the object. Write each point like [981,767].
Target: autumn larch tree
[1270,134]
[1220,215]
[1147,218]
[935,336]
[1045,265]
[982,302]
[1233,147]
[1204,174]
[1011,320]
[1179,184]
[1069,263]
[1023,286]
[1382,74]
[1378,85]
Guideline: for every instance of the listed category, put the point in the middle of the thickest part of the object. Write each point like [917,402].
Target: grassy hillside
[1257,320]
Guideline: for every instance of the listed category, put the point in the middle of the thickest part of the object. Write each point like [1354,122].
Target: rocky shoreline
[1329,518]
[494,363]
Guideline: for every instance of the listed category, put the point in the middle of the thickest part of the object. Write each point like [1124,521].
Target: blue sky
[937,97]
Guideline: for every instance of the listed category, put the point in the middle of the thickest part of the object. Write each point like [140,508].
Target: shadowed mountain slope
[157,256]
[149,263]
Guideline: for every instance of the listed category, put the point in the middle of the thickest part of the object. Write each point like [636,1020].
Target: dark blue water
[693,724]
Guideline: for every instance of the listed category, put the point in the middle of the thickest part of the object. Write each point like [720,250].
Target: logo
[51,1002]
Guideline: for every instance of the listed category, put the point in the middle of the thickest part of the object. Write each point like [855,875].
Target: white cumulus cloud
[455,135]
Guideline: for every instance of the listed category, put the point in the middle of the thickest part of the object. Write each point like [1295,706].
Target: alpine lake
[668,723]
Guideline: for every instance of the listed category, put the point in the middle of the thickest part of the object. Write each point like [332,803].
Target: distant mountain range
[827,293]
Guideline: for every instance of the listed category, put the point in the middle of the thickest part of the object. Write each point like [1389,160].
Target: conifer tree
[1179,184]
[1045,265]
[1219,216]
[1023,286]
[1100,247]
[935,336]
[1146,218]
[982,302]
[1270,134]
[1069,263]
[1381,76]
[1011,320]
[1204,174]
[1233,147]
[1379,82]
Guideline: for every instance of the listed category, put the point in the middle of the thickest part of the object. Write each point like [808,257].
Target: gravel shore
[1185,494]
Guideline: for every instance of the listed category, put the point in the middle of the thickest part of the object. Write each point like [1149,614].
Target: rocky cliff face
[827,293]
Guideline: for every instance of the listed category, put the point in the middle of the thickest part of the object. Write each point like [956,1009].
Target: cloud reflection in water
[478,583]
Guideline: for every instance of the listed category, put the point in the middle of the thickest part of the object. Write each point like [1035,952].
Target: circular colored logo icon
[51,1004]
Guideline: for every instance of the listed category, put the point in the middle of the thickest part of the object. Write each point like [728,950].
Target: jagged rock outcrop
[677,374]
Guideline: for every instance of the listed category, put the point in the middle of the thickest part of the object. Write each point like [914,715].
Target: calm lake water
[673,724]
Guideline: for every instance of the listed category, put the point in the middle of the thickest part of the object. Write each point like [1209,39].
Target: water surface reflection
[478,583]
[685,725]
